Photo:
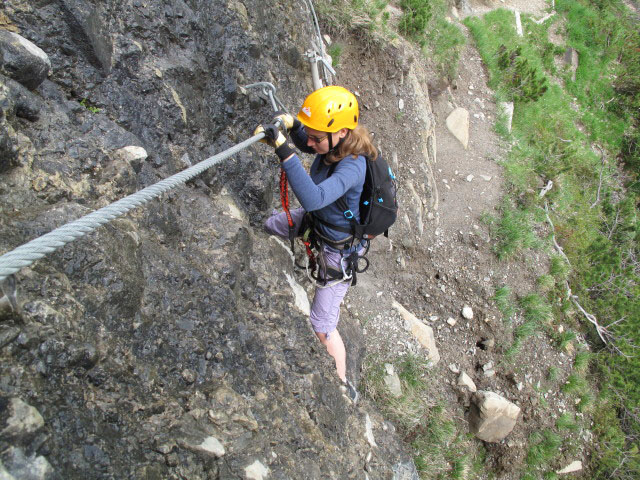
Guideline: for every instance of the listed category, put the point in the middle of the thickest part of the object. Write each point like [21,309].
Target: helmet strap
[333,148]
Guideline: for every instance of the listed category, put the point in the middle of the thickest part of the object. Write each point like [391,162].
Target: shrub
[523,81]
[416,17]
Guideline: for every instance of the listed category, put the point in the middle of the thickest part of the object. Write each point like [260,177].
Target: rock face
[162,345]
[492,416]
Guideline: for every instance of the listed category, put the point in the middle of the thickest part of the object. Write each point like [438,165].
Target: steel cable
[28,253]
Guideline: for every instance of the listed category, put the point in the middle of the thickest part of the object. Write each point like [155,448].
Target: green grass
[512,232]
[536,308]
[365,19]
[552,374]
[559,268]
[521,333]
[581,362]
[543,447]
[586,401]
[546,282]
[536,312]
[575,385]
[440,449]
[502,297]
[565,338]
[567,422]
[89,106]
[598,34]
[335,50]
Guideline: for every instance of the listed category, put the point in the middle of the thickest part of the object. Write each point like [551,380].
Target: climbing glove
[288,121]
[276,139]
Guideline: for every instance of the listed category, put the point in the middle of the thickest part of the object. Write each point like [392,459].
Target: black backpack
[378,203]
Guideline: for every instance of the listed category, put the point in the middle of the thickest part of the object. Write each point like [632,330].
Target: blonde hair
[356,142]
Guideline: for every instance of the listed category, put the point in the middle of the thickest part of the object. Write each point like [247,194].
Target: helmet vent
[340,107]
[331,122]
[355,118]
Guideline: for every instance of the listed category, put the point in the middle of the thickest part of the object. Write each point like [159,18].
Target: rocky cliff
[168,344]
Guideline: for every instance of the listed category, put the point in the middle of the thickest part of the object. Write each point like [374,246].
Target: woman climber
[327,125]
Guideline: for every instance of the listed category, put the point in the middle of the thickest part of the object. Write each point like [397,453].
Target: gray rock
[458,124]
[22,61]
[4,475]
[574,466]
[91,23]
[23,419]
[506,109]
[405,471]
[392,381]
[23,467]
[256,471]
[19,101]
[369,431]
[155,290]
[518,23]
[571,60]
[423,333]
[132,153]
[464,380]
[8,335]
[189,375]
[492,417]
[209,445]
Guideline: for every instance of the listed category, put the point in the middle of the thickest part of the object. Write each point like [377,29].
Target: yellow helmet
[330,109]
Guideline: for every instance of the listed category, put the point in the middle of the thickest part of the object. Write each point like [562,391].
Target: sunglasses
[315,139]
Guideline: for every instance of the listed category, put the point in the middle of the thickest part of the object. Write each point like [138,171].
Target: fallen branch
[604,159]
[553,234]
[545,18]
[546,188]
[603,333]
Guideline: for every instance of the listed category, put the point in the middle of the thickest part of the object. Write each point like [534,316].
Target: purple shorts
[325,309]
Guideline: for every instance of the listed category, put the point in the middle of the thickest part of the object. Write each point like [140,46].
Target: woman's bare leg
[335,347]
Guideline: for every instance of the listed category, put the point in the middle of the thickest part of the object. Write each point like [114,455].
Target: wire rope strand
[28,253]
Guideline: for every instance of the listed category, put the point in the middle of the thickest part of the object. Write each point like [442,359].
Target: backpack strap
[355,229]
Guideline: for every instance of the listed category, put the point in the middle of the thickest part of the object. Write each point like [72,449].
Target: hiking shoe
[350,391]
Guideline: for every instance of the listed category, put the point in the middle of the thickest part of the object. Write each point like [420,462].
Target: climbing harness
[378,211]
[316,265]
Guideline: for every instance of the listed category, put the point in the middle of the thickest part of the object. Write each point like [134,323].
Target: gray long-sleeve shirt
[318,193]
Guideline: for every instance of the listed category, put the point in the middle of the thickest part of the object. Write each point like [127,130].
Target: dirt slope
[452,263]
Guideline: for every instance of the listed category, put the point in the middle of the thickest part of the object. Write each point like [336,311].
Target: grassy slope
[553,140]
